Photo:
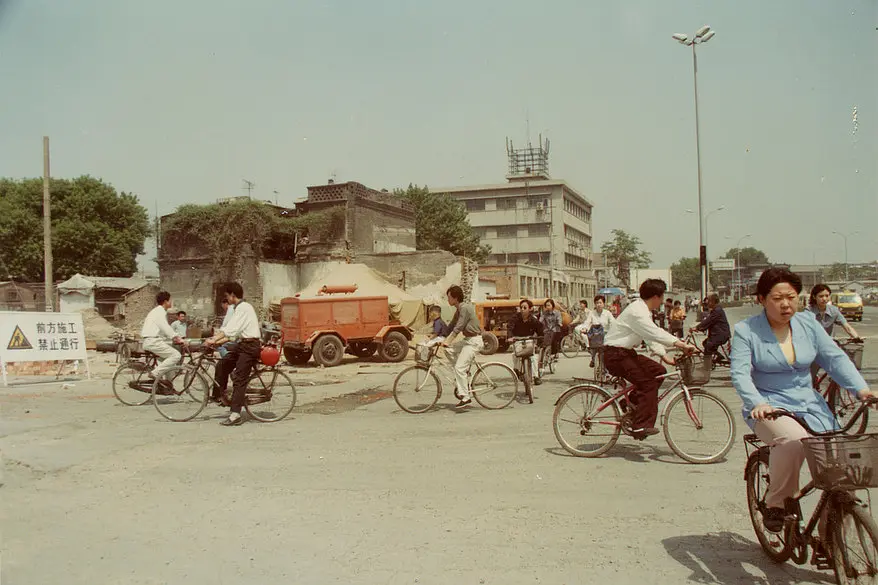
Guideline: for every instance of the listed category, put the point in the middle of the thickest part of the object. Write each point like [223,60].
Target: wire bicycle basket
[855,352]
[523,348]
[845,462]
[695,370]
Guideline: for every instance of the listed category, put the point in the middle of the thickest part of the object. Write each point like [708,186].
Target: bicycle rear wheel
[843,406]
[132,385]
[701,430]
[183,396]
[494,385]
[853,544]
[757,480]
[528,379]
[580,428]
[270,397]
[416,389]
[570,346]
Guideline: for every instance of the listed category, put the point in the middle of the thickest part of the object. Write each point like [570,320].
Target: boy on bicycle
[633,327]
[523,326]
[716,324]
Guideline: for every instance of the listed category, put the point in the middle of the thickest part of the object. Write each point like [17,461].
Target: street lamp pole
[706,239]
[738,262]
[845,238]
[703,35]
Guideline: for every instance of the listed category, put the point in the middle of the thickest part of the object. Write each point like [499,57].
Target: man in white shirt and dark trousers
[243,325]
[156,334]
[634,326]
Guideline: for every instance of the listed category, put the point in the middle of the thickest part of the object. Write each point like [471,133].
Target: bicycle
[270,395]
[841,402]
[523,349]
[688,402]
[840,464]
[572,344]
[721,358]
[123,346]
[493,385]
[133,381]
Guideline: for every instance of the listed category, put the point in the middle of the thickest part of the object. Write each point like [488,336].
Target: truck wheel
[491,343]
[363,350]
[395,347]
[297,357]
[328,351]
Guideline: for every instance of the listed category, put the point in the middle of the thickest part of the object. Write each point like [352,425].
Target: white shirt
[244,323]
[156,324]
[229,312]
[179,328]
[634,326]
[605,319]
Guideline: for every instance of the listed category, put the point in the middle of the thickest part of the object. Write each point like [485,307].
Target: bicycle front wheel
[416,389]
[570,346]
[843,406]
[581,426]
[700,430]
[854,544]
[494,385]
[528,379]
[270,397]
[180,394]
[132,385]
[756,478]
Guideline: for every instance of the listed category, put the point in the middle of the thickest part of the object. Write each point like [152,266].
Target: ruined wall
[279,280]
[421,268]
[137,304]
[377,228]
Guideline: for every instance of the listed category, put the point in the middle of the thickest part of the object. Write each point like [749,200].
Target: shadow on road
[727,558]
[635,453]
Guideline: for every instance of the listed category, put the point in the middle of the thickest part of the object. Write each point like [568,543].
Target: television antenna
[248,186]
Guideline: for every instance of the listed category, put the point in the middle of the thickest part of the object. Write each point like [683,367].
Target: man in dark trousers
[716,324]
[631,328]
[243,325]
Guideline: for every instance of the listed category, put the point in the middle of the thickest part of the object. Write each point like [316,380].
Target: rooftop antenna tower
[248,186]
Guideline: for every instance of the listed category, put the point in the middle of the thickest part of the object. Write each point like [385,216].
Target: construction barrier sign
[40,337]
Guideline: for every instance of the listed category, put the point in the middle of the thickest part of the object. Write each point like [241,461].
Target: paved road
[351,490]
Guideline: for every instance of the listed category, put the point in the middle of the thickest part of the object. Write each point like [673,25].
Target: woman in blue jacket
[771,356]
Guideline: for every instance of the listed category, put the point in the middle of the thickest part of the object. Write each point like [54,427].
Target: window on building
[538,230]
[507,231]
[475,204]
[507,203]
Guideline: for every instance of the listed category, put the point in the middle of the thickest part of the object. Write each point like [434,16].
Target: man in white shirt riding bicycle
[157,335]
[633,327]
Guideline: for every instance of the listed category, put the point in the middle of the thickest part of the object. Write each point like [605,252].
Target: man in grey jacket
[466,325]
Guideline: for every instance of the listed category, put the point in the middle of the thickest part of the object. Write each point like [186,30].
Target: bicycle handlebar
[848,341]
[777,413]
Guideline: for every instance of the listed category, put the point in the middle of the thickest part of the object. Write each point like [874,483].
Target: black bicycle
[840,465]
[133,382]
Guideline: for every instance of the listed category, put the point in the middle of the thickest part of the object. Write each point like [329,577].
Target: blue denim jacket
[761,374]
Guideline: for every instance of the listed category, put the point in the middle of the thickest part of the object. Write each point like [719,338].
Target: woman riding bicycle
[550,318]
[827,315]
[771,356]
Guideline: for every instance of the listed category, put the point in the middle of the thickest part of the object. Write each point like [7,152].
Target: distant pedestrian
[179,324]
[677,318]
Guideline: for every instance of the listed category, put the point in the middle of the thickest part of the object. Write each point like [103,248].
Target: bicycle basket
[855,352]
[423,353]
[695,371]
[843,462]
[523,348]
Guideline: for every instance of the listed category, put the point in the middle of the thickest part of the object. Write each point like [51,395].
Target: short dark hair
[676,303]
[713,297]
[600,298]
[547,301]
[224,301]
[818,288]
[583,302]
[181,313]
[530,305]
[774,276]
[162,297]
[233,288]
[652,287]
[436,309]
[456,293]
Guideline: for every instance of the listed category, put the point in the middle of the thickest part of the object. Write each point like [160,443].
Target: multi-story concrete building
[539,230]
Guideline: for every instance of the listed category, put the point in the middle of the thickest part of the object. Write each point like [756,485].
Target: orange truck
[329,326]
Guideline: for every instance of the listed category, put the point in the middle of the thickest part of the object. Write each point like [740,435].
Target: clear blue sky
[179,101]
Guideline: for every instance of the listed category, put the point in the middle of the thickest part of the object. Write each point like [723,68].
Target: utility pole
[248,186]
[47,230]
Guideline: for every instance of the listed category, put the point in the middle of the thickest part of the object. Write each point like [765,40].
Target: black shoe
[166,388]
[463,403]
[538,381]
[642,434]
[773,519]
[233,423]
[591,364]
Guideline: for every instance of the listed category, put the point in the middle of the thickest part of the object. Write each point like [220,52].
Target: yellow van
[850,304]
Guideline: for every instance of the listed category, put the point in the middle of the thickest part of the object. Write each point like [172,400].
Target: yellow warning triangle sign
[19,341]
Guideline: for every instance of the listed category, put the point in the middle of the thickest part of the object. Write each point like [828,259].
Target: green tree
[622,253]
[749,256]
[686,274]
[95,229]
[442,224]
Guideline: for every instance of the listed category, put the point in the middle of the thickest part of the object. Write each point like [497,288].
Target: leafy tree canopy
[95,229]
[624,252]
[442,224]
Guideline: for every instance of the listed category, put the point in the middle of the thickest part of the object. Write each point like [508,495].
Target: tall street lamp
[702,35]
[738,261]
[845,238]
